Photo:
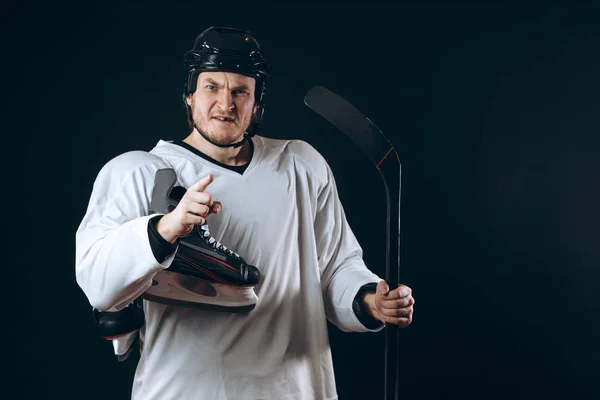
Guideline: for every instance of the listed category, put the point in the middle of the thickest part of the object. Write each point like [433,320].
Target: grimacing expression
[223,105]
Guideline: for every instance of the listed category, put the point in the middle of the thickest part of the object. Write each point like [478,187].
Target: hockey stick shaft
[373,143]
[391,172]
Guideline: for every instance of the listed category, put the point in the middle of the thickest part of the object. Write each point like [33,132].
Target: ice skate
[115,324]
[204,273]
[121,327]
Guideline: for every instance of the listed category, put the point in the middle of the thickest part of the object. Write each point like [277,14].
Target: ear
[188,100]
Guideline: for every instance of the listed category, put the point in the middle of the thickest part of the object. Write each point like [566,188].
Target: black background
[495,112]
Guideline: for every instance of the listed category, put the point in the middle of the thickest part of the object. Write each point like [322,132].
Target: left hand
[391,306]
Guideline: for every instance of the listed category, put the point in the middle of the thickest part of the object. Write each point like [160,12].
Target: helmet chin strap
[234,145]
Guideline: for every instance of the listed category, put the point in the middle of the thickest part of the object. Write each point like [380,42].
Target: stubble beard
[217,137]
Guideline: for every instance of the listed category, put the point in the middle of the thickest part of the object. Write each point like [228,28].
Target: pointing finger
[202,184]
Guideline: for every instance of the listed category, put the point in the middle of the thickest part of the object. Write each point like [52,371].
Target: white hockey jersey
[282,215]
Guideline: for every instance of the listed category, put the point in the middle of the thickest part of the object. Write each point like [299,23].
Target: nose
[225,100]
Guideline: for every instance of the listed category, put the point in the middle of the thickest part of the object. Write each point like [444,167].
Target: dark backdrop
[495,112]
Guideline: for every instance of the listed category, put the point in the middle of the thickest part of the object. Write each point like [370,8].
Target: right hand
[193,209]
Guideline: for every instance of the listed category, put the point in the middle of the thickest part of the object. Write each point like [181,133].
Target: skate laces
[215,243]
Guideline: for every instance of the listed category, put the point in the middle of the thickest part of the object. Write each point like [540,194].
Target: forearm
[368,305]
[365,309]
[114,262]
[340,295]
[165,232]
[162,247]
[114,266]
[344,272]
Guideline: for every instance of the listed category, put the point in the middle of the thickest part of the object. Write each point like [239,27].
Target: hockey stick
[374,144]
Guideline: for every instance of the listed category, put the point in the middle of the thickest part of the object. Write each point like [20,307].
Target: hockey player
[275,203]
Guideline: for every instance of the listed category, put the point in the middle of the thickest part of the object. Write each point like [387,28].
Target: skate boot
[115,324]
[204,273]
[121,327]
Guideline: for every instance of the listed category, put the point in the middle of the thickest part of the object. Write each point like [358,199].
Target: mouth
[224,119]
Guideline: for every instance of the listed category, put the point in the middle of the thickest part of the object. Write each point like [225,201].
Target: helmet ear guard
[256,120]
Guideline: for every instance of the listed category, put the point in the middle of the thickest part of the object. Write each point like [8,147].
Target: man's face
[223,105]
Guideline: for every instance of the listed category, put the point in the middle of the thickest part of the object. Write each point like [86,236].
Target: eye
[210,87]
[239,91]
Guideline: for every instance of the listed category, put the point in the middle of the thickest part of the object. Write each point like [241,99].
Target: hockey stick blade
[352,122]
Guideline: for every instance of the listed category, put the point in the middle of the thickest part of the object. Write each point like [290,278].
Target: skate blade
[122,344]
[197,306]
[181,290]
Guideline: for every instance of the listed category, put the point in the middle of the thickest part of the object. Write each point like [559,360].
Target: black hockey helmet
[227,50]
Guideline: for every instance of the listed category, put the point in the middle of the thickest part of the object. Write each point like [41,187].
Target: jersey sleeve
[343,271]
[114,262]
